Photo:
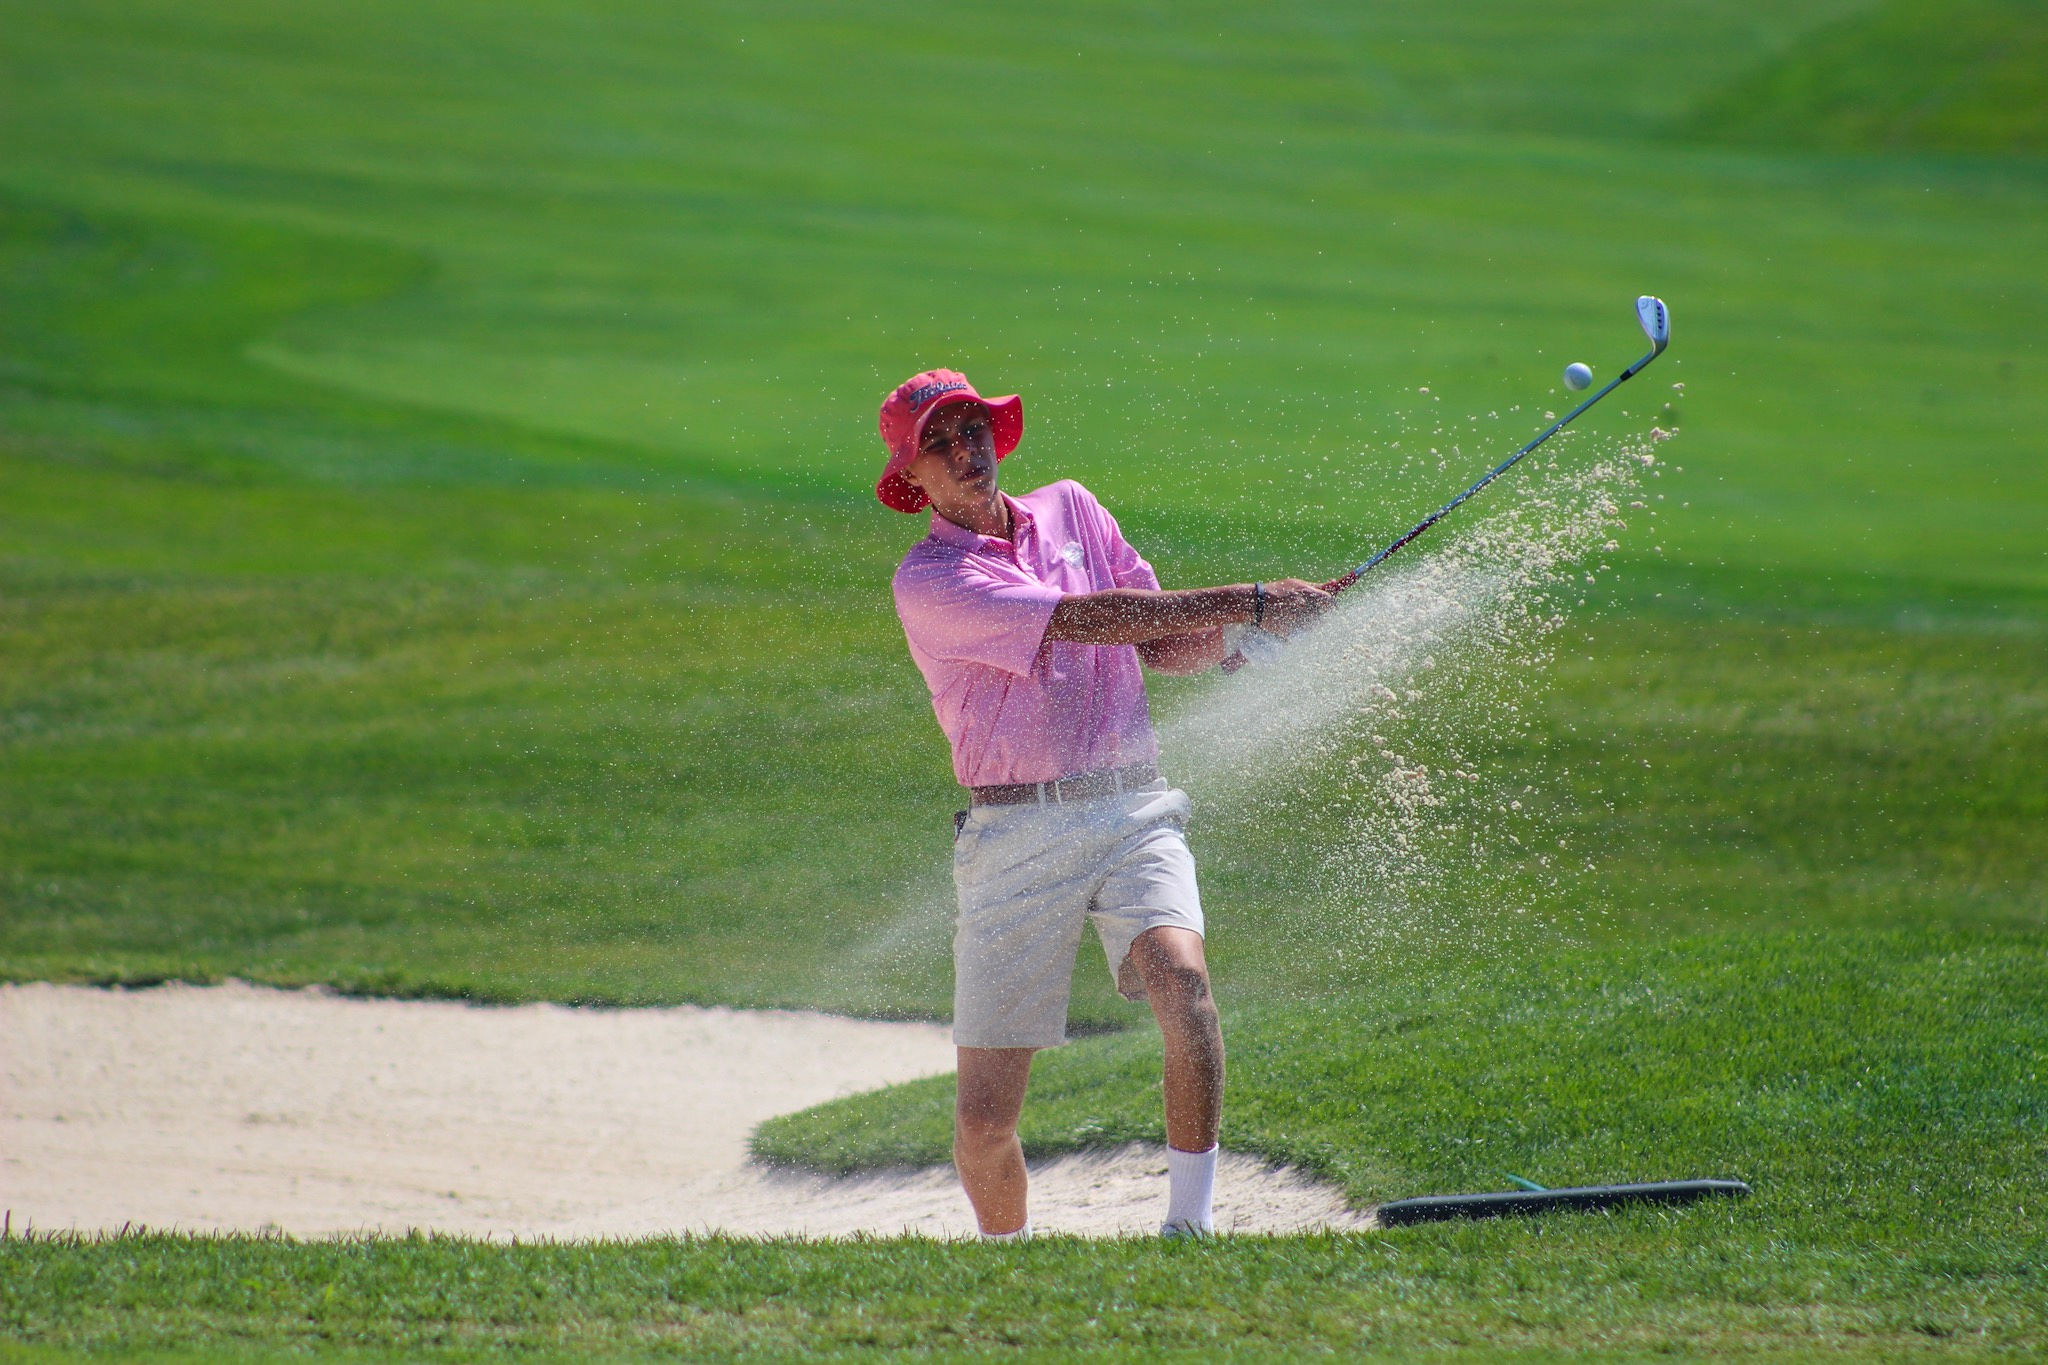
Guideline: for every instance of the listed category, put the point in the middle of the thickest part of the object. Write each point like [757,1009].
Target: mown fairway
[435,558]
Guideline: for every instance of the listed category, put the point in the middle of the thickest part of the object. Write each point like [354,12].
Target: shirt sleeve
[1127,568]
[964,614]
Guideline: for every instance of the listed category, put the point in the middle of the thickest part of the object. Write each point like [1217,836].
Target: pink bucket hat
[905,412]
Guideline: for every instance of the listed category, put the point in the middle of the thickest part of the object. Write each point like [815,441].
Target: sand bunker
[242,1108]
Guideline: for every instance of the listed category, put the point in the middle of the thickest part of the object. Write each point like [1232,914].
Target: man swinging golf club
[1029,617]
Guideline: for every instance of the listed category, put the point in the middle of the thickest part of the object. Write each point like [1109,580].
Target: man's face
[956,457]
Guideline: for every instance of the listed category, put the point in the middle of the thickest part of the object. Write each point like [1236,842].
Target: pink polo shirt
[1015,706]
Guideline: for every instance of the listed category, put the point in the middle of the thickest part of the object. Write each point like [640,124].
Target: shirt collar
[952,533]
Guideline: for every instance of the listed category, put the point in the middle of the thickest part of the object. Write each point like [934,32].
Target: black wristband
[1258,605]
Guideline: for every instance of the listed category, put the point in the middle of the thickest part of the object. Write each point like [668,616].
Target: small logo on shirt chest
[1073,553]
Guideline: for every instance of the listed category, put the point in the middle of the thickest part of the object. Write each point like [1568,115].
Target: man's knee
[1177,982]
[988,1096]
[1186,1010]
[975,1133]
[1184,984]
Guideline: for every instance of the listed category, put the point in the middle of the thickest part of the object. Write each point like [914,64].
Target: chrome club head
[1656,320]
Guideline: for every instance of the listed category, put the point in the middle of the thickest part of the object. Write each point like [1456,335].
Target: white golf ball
[1577,376]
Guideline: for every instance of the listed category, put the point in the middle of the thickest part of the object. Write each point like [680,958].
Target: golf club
[1255,645]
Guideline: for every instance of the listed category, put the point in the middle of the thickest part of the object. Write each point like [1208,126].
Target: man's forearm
[1132,616]
[1194,652]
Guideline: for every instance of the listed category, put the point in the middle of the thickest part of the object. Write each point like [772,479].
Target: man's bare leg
[985,1147]
[1177,983]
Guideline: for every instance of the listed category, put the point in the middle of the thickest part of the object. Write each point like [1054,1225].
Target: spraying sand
[239,1108]
[1391,700]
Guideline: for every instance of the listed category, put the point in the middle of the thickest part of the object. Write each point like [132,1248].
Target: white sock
[1022,1234]
[1191,1190]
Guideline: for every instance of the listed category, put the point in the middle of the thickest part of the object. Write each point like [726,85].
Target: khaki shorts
[1028,875]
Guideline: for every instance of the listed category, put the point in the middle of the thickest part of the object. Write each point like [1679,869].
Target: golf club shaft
[1236,660]
[1353,575]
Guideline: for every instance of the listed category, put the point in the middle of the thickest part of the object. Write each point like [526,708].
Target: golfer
[1029,617]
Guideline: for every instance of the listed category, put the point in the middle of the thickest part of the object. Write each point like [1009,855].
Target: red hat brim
[1006,420]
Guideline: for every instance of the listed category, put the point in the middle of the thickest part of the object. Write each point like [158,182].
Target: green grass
[1958,77]
[1250,1298]
[506,682]
[434,560]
